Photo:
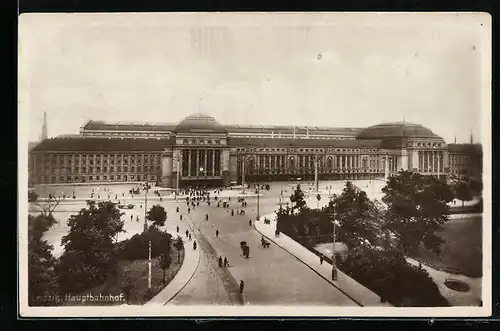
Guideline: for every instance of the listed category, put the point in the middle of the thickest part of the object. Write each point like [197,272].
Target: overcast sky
[335,70]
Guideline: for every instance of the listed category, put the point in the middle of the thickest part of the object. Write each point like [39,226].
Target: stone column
[166,170]
[189,163]
[205,164]
[225,167]
[386,167]
[213,162]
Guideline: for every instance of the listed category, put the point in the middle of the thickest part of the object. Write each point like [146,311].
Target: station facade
[199,151]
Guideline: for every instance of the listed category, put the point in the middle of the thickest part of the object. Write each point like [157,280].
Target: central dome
[396,130]
[199,123]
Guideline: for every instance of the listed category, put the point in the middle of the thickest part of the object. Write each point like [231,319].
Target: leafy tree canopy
[157,215]
[360,219]
[298,200]
[89,253]
[40,261]
[417,209]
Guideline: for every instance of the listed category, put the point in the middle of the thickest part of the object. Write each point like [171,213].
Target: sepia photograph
[254,164]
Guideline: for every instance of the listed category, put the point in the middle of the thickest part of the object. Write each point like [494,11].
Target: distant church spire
[455,141]
[44,127]
[471,138]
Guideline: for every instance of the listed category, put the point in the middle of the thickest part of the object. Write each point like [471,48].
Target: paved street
[271,275]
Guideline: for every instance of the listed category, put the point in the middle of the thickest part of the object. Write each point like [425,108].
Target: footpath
[351,288]
[181,279]
[455,298]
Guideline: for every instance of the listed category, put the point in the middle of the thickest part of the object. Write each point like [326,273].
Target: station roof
[84,144]
[128,126]
[396,130]
[199,123]
[290,142]
[465,149]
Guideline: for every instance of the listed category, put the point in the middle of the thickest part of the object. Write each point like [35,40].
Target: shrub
[137,248]
[389,275]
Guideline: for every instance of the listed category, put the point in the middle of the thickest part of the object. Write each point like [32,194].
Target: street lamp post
[177,177]
[149,266]
[258,201]
[146,189]
[334,257]
[243,174]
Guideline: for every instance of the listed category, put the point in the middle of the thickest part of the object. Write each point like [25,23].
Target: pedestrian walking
[177,209]
[131,216]
[180,216]
[250,222]
[194,245]
[242,286]
[232,212]
[217,233]
[177,229]
[321,259]
[220,261]
[190,237]
[206,217]
[225,261]
[187,233]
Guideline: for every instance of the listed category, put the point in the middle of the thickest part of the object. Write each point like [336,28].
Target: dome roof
[199,123]
[396,130]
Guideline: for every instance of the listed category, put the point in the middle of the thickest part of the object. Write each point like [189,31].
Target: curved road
[272,276]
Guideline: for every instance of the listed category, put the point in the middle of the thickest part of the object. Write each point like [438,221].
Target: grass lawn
[137,270]
[462,251]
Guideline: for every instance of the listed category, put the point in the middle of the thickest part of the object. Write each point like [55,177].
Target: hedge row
[137,247]
[389,275]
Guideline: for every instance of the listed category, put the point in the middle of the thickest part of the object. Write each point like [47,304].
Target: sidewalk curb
[319,274]
[176,275]
[187,282]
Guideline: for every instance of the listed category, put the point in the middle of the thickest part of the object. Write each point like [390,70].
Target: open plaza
[272,276]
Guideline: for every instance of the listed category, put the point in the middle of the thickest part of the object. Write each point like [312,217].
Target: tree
[157,215]
[32,196]
[49,206]
[476,186]
[89,247]
[179,246]
[463,191]
[360,219]
[127,287]
[298,200]
[417,207]
[318,197]
[40,261]
[165,258]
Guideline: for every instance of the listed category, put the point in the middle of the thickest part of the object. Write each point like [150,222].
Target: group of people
[223,263]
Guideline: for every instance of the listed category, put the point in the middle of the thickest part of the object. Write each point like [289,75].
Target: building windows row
[94,178]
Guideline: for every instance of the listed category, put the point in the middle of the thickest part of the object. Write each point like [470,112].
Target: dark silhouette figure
[177,229]
[194,245]
[242,286]
[187,233]
[190,237]
[321,259]
[206,217]
[250,222]
[180,217]
[217,233]
[232,212]
[189,210]
[177,210]
[225,262]
[220,261]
